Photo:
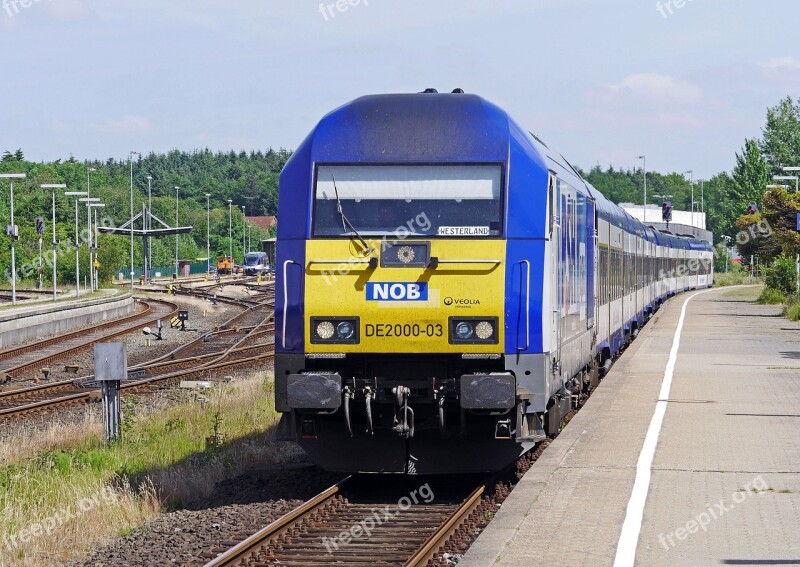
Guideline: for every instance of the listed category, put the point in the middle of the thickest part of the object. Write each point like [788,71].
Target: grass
[791,302]
[770,296]
[791,309]
[737,277]
[85,493]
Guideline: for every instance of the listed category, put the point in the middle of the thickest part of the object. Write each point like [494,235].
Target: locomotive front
[390,288]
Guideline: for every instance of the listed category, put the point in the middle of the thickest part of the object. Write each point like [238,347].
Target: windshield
[252,259]
[409,200]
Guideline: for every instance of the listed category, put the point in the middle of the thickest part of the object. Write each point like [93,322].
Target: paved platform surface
[724,485]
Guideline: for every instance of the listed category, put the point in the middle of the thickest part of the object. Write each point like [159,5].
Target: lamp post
[208,235]
[644,174]
[691,182]
[148,260]
[77,241]
[89,225]
[703,199]
[726,244]
[176,228]
[94,271]
[92,238]
[130,158]
[53,187]
[230,229]
[11,177]
[244,235]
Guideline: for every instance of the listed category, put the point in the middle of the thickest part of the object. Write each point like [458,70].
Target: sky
[683,82]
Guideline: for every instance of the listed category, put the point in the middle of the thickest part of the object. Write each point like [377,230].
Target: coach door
[557,274]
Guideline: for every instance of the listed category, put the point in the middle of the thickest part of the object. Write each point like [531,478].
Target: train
[448,288]
[256,263]
[224,265]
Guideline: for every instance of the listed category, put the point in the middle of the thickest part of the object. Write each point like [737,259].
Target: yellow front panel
[460,290]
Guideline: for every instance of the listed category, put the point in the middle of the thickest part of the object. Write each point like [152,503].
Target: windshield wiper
[345,221]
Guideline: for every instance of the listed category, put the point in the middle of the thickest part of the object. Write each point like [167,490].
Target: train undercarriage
[421,414]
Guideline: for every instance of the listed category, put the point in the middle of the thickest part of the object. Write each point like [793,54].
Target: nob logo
[388,291]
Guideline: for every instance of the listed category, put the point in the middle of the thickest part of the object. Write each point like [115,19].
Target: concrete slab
[725,482]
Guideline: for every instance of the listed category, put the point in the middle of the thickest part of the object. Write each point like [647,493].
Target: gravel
[237,508]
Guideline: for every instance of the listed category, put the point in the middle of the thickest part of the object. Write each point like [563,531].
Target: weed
[770,296]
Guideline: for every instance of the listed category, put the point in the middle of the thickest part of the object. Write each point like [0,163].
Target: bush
[792,311]
[781,275]
[734,277]
[770,296]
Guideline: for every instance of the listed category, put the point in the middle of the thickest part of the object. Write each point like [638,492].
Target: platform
[44,317]
[723,486]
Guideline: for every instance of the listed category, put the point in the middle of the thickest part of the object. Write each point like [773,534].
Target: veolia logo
[389,291]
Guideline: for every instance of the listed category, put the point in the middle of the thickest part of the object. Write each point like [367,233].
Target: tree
[781,143]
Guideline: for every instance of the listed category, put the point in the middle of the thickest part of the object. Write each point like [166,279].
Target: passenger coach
[448,287]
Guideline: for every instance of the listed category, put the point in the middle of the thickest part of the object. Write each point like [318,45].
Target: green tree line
[727,195]
[249,179]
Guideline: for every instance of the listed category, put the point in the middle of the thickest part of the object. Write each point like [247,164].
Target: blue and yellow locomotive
[444,286]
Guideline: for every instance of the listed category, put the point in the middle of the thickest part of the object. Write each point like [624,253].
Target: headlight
[334,330]
[473,330]
[325,330]
[345,330]
[484,330]
[464,331]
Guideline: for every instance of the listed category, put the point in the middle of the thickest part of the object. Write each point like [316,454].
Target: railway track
[19,361]
[239,342]
[398,534]
[388,521]
[214,297]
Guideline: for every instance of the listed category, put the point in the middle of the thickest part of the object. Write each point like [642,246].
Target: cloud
[129,124]
[654,88]
[67,9]
[781,68]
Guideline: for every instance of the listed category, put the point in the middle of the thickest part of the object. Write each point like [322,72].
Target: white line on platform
[629,538]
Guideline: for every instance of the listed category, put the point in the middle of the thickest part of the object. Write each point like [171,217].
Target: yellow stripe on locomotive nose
[409,308]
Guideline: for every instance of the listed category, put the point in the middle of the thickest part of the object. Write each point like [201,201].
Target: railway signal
[666,211]
[39,226]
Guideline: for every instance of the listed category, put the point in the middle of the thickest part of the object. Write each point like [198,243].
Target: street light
[691,182]
[93,270]
[244,234]
[92,239]
[176,228]
[130,159]
[794,178]
[53,187]
[208,235]
[77,240]
[230,230]
[89,171]
[644,170]
[146,220]
[11,177]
